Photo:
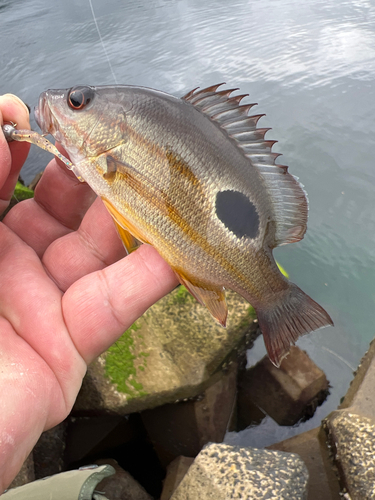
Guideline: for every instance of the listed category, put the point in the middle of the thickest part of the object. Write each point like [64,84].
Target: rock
[173,352]
[121,486]
[26,474]
[352,438]
[49,452]
[184,428]
[175,473]
[311,447]
[351,432]
[222,471]
[359,397]
[287,394]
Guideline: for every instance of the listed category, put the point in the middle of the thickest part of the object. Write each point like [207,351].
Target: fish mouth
[43,115]
[45,118]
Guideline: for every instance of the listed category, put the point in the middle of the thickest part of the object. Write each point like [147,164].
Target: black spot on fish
[238,213]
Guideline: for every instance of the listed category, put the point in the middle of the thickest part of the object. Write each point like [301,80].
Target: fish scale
[195,178]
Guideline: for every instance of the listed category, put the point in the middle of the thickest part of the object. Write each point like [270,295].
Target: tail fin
[285,321]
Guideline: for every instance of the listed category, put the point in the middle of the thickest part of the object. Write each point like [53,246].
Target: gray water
[309,65]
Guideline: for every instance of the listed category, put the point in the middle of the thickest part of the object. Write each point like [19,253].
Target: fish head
[87,121]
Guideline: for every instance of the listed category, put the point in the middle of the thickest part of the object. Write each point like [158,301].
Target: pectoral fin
[130,243]
[212,298]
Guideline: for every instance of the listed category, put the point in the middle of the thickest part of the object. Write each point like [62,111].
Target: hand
[66,294]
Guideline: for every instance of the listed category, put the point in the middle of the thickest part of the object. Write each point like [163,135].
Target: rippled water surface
[310,66]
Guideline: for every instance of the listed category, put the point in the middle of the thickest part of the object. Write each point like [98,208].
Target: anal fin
[211,297]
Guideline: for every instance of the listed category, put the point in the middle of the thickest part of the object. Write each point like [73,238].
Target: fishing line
[102,42]
[339,357]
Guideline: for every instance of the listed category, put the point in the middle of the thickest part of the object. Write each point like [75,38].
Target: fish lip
[42,114]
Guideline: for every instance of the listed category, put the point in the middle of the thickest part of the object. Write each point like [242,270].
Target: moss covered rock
[174,351]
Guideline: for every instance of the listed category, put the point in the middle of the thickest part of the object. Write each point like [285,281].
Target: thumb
[13,154]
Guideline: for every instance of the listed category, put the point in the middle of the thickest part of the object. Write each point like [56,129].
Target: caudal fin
[282,323]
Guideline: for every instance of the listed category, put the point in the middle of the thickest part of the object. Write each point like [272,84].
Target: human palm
[66,294]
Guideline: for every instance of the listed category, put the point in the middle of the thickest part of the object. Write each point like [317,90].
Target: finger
[59,204]
[62,195]
[99,307]
[12,109]
[94,246]
[34,226]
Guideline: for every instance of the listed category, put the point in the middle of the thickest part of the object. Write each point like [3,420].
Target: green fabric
[71,485]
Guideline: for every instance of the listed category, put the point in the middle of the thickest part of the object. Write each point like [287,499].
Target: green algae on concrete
[122,364]
[174,351]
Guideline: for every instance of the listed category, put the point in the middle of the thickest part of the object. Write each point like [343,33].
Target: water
[309,65]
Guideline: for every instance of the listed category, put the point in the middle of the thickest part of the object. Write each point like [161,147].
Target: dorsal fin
[288,195]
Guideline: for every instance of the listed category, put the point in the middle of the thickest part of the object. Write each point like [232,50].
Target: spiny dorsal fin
[288,195]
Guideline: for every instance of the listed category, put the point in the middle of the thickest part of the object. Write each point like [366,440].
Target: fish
[195,178]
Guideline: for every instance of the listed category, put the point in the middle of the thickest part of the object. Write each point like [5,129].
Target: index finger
[59,204]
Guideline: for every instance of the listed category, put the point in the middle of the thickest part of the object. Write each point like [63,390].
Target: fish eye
[80,97]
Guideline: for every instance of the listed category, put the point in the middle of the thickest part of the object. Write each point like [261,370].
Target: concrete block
[121,486]
[287,394]
[222,471]
[173,352]
[176,471]
[352,439]
[359,397]
[184,428]
[311,447]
